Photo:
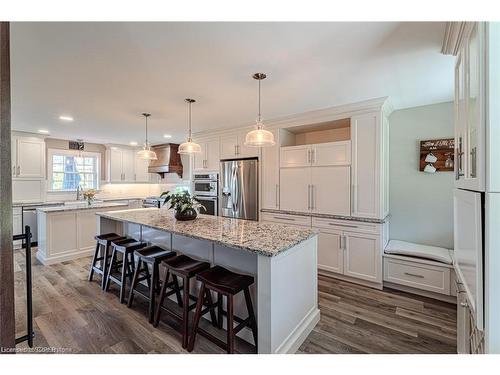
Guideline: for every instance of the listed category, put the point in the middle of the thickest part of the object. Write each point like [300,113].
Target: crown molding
[311,117]
[454,34]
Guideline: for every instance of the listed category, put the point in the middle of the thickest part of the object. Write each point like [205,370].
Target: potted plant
[185,206]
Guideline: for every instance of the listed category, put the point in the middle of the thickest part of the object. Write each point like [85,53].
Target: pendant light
[259,137]
[189,147]
[146,152]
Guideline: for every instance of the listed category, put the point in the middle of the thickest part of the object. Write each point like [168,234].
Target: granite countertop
[266,239]
[52,203]
[327,216]
[82,206]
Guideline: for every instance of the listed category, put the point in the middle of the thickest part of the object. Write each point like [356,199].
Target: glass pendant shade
[146,152]
[189,147]
[259,137]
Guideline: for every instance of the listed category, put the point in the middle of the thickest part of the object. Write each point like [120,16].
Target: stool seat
[224,280]
[186,266]
[154,254]
[107,238]
[127,245]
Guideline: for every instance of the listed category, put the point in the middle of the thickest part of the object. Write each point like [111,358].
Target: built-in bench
[419,269]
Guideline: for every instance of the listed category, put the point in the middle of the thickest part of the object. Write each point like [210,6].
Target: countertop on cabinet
[266,239]
[327,216]
[83,206]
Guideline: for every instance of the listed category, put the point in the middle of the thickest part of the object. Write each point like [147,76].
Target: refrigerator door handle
[234,192]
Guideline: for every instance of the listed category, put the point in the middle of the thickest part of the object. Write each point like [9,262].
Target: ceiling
[106,74]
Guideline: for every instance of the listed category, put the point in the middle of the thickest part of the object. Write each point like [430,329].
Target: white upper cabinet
[470,111]
[322,154]
[28,157]
[295,156]
[209,156]
[270,176]
[229,146]
[122,164]
[366,166]
[330,190]
[128,165]
[141,170]
[115,172]
[233,147]
[333,153]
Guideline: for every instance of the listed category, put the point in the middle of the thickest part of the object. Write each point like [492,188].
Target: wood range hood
[169,160]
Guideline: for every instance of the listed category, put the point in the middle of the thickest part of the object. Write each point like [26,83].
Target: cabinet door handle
[283,218]
[277,196]
[414,275]
[342,242]
[309,197]
[312,197]
[18,170]
[313,156]
[308,156]
[343,225]
[473,167]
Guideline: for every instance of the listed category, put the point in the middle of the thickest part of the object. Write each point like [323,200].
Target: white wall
[421,204]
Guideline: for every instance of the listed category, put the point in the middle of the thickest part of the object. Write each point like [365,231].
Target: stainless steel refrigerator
[239,189]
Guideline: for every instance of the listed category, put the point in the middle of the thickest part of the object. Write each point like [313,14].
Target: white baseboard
[293,342]
[47,261]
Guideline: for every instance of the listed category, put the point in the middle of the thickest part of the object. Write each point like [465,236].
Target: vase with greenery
[185,206]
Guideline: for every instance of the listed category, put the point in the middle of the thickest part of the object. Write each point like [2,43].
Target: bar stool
[125,266]
[101,255]
[228,284]
[186,268]
[146,257]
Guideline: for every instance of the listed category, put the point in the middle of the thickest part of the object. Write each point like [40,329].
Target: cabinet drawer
[286,219]
[420,276]
[355,226]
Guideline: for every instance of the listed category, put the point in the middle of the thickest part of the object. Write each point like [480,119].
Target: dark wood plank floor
[75,316]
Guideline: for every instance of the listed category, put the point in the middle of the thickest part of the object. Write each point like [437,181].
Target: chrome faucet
[78,193]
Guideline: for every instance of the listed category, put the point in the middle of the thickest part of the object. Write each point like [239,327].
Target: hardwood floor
[75,316]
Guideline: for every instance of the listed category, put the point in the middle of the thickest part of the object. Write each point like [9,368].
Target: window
[70,169]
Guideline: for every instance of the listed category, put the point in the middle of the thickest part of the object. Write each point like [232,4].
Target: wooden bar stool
[146,257]
[186,268]
[228,284]
[125,266]
[102,255]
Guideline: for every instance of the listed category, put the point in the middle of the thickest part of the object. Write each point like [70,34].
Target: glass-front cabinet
[470,109]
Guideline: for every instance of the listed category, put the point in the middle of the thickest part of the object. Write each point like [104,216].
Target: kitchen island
[281,258]
[67,231]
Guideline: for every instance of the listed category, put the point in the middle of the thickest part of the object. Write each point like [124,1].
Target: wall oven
[206,184]
[211,205]
[206,190]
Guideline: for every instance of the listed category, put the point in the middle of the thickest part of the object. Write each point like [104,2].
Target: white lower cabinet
[330,251]
[348,248]
[363,257]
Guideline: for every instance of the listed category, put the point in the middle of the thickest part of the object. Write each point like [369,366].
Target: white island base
[284,293]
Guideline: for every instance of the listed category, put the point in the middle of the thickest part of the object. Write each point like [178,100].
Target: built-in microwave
[206,184]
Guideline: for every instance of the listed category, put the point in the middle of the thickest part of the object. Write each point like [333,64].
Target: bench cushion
[439,254]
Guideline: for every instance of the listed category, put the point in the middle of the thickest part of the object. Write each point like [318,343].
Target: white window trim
[54,151]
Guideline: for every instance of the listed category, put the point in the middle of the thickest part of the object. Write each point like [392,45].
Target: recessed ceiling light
[167,136]
[43,131]
[133,143]
[66,118]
